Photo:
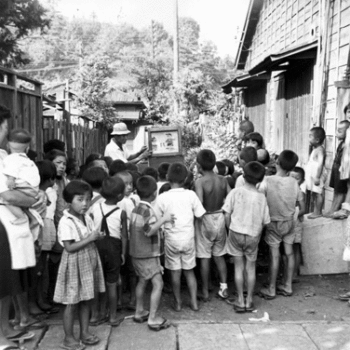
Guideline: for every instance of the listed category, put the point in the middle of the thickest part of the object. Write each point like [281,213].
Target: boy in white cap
[115,148]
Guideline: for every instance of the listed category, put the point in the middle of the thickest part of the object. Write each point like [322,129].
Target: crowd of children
[108,224]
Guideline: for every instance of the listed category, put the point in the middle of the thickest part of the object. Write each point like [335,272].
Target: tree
[17,20]
[189,31]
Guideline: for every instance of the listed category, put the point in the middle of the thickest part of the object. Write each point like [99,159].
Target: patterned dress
[80,275]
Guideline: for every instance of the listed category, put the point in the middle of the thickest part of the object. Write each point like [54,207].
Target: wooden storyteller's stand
[165,145]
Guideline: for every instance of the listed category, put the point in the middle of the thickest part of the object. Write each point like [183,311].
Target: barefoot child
[180,252]
[314,171]
[145,250]
[282,193]
[211,190]
[299,175]
[80,273]
[111,220]
[246,214]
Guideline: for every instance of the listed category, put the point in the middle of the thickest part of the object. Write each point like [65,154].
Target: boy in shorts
[282,194]
[211,190]
[180,254]
[247,155]
[145,250]
[246,213]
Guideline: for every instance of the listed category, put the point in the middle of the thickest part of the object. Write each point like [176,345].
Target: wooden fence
[23,96]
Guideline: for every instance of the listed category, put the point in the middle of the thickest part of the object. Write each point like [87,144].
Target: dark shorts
[147,268]
[111,260]
[243,245]
[339,186]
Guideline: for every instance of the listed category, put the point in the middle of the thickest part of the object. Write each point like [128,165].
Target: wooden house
[293,53]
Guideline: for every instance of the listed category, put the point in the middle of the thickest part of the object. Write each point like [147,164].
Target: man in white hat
[115,147]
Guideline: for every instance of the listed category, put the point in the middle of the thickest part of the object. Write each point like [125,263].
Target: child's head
[151,172]
[254,139]
[128,182]
[131,167]
[287,160]
[163,170]
[146,187]
[221,168]
[206,160]
[78,194]
[263,156]
[116,167]
[108,160]
[247,155]
[113,189]
[230,166]
[245,128]
[347,111]
[19,140]
[341,130]
[135,176]
[54,144]
[189,180]
[165,188]
[72,167]
[298,174]
[59,159]
[254,172]
[47,172]
[177,173]
[317,136]
[94,177]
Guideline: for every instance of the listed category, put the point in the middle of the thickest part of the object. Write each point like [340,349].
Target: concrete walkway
[197,335]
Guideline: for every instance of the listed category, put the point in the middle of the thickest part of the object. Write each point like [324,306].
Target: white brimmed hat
[120,129]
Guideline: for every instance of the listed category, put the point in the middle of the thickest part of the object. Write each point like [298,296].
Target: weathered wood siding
[336,100]
[283,25]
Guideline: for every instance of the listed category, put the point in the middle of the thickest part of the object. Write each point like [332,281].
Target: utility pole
[176,51]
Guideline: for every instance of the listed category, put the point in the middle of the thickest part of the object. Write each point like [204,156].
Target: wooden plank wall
[339,48]
[283,24]
[82,138]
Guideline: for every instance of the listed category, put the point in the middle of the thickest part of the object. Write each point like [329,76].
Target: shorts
[147,268]
[111,260]
[180,254]
[298,230]
[211,235]
[280,231]
[339,186]
[243,245]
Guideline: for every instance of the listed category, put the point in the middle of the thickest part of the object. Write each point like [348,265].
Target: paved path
[195,335]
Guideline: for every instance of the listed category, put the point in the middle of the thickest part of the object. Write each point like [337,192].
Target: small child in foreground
[180,254]
[299,175]
[80,273]
[211,190]
[246,213]
[282,193]
[112,222]
[145,250]
[315,170]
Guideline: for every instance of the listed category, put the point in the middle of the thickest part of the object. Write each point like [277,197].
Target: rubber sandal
[23,335]
[141,319]
[265,295]
[35,324]
[250,308]
[238,308]
[92,340]
[344,297]
[72,347]
[116,323]
[282,291]
[157,327]
[98,322]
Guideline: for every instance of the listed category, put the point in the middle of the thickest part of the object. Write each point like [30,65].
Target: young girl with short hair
[80,274]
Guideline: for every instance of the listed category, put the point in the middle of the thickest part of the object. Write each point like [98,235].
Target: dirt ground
[314,299]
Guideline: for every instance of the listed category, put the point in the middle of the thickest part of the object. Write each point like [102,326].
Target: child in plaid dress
[80,273]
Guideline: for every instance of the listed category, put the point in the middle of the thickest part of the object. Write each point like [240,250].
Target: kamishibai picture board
[165,141]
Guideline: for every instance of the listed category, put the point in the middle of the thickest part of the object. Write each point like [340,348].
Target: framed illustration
[164,141]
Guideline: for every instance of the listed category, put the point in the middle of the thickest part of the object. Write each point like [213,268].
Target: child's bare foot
[314,216]
[176,306]
[72,344]
[328,214]
[89,339]
[194,306]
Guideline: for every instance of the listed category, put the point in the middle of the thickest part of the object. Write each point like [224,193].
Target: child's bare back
[212,190]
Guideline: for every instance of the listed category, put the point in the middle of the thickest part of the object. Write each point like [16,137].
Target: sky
[221,21]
